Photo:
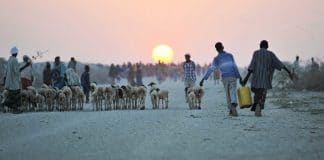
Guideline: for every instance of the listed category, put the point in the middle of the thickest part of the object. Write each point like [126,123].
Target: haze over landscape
[106,31]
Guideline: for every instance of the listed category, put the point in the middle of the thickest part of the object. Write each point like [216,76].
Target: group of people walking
[21,76]
[262,67]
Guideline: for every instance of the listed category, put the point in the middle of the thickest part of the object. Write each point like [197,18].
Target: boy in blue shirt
[225,63]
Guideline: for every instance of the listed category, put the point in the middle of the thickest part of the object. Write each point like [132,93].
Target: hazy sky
[116,31]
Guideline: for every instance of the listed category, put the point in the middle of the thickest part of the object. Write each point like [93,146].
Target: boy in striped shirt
[189,69]
[262,66]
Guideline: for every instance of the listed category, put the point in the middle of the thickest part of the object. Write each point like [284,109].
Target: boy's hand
[241,82]
[201,83]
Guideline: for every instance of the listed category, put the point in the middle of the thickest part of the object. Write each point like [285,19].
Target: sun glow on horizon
[162,53]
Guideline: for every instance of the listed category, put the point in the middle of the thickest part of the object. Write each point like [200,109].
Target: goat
[154,97]
[191,99]
[61,101]
[158,95]
[109,94]
[163,97]
[68,100]
[141,94]
[97,96]
[77,98]
[199,93]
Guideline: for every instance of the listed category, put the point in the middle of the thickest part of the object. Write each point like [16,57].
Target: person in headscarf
[13,81]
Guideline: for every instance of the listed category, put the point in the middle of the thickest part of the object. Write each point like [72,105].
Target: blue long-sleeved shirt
[60,68]
[225,62]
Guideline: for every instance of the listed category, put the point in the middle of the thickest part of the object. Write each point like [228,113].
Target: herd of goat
[103,98]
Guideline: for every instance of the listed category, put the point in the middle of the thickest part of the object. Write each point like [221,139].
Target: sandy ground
[292,128]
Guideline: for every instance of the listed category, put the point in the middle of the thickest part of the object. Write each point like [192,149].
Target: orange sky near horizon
[116,31]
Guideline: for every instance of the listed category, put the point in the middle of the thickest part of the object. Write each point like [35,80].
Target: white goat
[154,97]
[199,93]
[77,98]
[158,95]
[68,99]
[110,94]
[191,99]
[141,95]
[163,97]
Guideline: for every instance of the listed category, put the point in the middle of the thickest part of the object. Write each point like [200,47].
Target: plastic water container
[244,97]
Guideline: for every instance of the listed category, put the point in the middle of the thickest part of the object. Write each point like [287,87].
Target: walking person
[131,75]
[314,66]
[58,73]
[224,61]
[27,75]
[72,64]
[189,68]
[85,82]
[112,74]
[13,81]
[262,66]
[47,74]
[296,66]
[139,75]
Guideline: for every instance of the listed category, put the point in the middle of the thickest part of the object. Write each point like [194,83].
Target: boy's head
[87,68]
[48,65]
[297,58]
[264,44]
[187,56]
[219,46]
[25,58]
[57,60]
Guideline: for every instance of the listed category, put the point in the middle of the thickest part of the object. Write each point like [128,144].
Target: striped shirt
[263,64]
[189,70]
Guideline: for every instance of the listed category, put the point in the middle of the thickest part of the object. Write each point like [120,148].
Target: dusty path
[177,133]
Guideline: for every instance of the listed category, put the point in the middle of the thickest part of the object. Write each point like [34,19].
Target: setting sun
[162,53]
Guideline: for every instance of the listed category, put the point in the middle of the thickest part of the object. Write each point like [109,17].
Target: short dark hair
[86,67]
[264,44]
[48,65]
[219,46]
[57,58]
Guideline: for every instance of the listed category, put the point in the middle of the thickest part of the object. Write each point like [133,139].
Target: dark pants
[13,100]
[86,92]
[259,97]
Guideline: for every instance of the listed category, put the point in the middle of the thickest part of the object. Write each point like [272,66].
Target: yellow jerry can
[244,97]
